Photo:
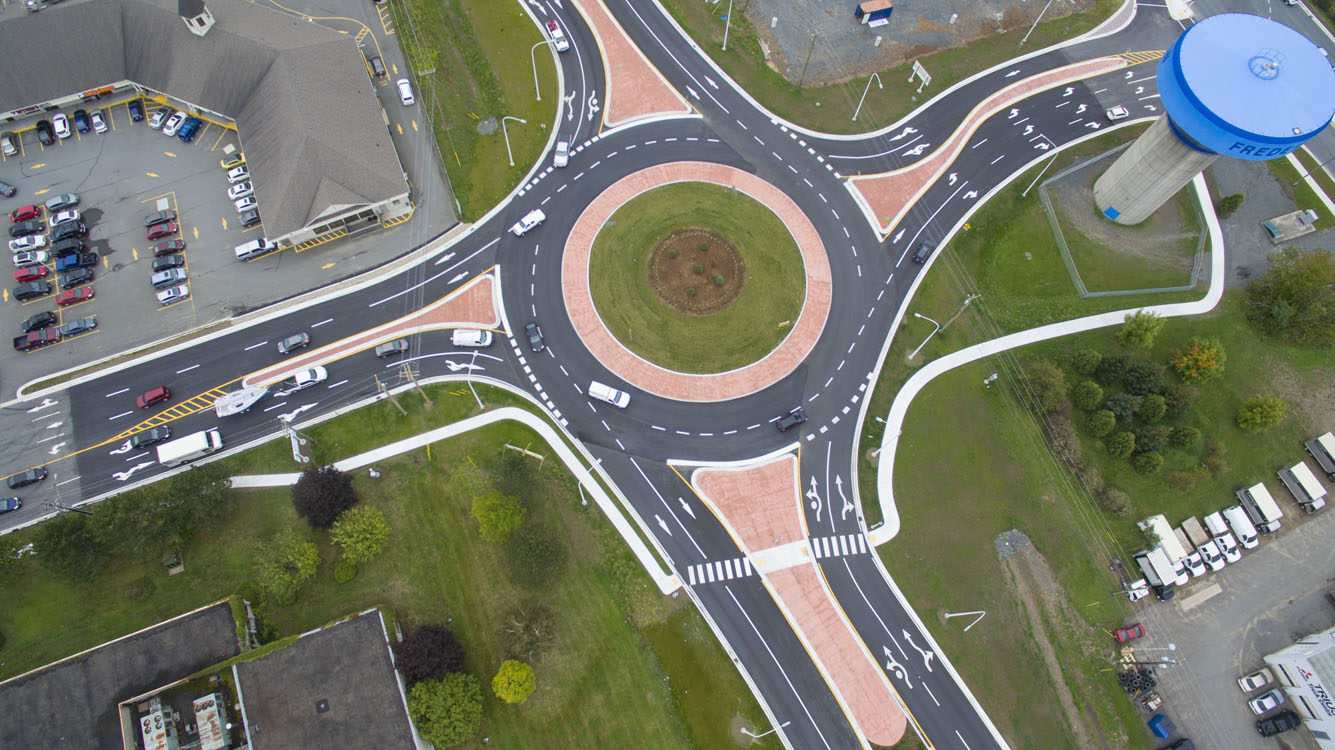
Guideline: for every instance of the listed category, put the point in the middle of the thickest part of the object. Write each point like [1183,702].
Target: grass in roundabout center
[747,329]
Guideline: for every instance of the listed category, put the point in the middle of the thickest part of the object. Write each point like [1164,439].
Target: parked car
[27,227]
[189,130]
[173,124]
[30,258]
[377,66]
[232,161]
[237,174]
[25,478]
[534,337]
[167,262]
[1128,634]
[174,294]
[167,278]
[1267,701]
[25,213]
[250,218]
[10,504]
[31,290]
[9,143]
[161,217]
[136,109]
[81,120]
[70,246]
[158,231]
[99,123]
[294,342]
[40,320]
[61,202]
[65,217]
[245,204]
[151,437]
[1229,546]
[27,242]
[240,190]
[75,277]
[36,339]
[73,230]
[405,92]
[1256,680]
[169,247]
[153,396]
[1280,722]
[391,348]
[31,273]
[157,117]
[78,326]
[75,260]
[791,419]
[74,296]
[61,124]
[7,190]
[307,378]
[45,133]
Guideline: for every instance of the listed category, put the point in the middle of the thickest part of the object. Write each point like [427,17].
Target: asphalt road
[871,281]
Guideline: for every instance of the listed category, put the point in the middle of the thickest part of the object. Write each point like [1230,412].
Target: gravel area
[1010,542]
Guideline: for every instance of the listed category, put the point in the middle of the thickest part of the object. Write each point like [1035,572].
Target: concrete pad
[1189,603]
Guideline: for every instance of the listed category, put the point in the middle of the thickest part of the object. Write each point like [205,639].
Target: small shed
[874,12]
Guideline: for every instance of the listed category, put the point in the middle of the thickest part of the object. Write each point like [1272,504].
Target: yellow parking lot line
[151,174]
[224,223]
[221,132]
[38,165]
[42,191]
[168,153]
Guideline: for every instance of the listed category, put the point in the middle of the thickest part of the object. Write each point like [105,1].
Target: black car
[166,262]
[10,504]
[40,320]
[1280,722]
[924,251]
[250,218]
[76,327]
[161,217]
[8,190]
[534,337]
[70,246]
[81,120]
[25,228]
[294,342]
[72,230]
[31,476]
[45,133]
[75,276]
[31,290]
[136,108]
[150,437]
[792,419]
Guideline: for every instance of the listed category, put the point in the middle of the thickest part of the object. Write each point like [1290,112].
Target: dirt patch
[1155,240]
[1311,400]
[696,271]
[1050,616]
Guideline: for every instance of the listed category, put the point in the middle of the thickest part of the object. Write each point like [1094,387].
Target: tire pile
[1138,680]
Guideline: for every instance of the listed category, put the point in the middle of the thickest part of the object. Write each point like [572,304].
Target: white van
[609,394]
[473,337]
[1241,525]
[254,249]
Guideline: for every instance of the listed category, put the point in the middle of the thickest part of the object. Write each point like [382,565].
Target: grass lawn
[468,67]
[628,668]
[750,326]
[1301,194]
[830,108]
[1162,258]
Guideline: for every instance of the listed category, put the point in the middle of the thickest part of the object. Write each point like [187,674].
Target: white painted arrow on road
[1012,115]
[1140,89]
[952,178]
[710,81]
[55,449]
[1093,125]
[45,403]
[814,496]
[460,276]
[839,485]
[1042,146]
[686,507]
[570,109]
[971,195]
[895,667]
[1013,73]
[898,234]
[1081,108]
[662,524]
[123,449]
[293,414]
[903,133]
[121,476]
[692,93]
[1069,90]
[927,656]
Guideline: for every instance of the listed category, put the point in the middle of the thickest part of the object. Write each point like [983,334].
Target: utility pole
[297,440]
[411,377]
[804,65]
[379,386]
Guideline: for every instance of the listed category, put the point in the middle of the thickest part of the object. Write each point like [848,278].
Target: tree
[1151,437]
[1121,444]
[1260,412]
[361,532]
[1151,408]
[535,557]
[498,516]
[1148,463]
[321,494]
[1177,399]
[67,546]
[1101,422]
[1228,205]
[1203,359]
[447,711]
[145,522]
[515,475]
[1086,395]
[1086,361]
[284,563]
[526,631]
[1045,385]
[1142,378]
[1111,369]
[1122,405]
[429,652]
[1140,329]
[1295,299]
[1115,502]
[514,681]
[1185,438]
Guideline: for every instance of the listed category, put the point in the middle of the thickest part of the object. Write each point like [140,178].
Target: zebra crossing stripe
[719,569]
[690,571]
[728,564]
[862,544]
[709,572]
[843,545]
[746,561]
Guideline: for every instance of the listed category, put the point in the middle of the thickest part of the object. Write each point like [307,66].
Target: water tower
[1232,85]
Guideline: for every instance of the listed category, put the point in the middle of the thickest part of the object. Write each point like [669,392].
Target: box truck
[1158,571]
[1304,487]
[1261,508]
[194,446]
[1157,528]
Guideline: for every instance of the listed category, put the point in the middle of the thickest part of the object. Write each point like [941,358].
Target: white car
[237,174]
[1266,702]
[558,37]
[561,156]
[245,204]
[307,378]
[157,117]
[1229,546]
[1256,680]
[173,124]
[1195,564]
[61,123]
[1118,113]
[64,217]
[30,242]
[240,190]
[174,294]
[530,220]
[99,124]
[405,92]
[1212,556]
[30,258]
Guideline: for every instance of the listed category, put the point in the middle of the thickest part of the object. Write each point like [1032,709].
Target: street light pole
[534,61]
[506,133]
[1031,28]
[471,367]
[864,94]
[727,24]
[747,732]
[914,353]
[1309,172]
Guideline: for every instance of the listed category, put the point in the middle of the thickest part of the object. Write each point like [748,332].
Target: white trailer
[1158,571]
[194,446]
[1261,508]
[1304,487]
[1322,450]
[1161,533]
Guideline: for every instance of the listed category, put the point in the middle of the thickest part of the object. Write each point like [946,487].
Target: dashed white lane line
[67,481]
[122,414]
[277,405]
[326,320]
[123,390]
[335,385]
[255,346]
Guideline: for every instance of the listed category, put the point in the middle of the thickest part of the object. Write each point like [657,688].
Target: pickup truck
[75,260]
[36,339]
[558,37]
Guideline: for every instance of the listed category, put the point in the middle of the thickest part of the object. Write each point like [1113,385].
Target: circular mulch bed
[696,271]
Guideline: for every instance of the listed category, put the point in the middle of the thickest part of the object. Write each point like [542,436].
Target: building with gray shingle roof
[299,94]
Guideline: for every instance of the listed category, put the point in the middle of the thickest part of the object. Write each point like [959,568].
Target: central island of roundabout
[739,284]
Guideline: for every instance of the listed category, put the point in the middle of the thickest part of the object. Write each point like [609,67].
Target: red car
[72,296]
[154,396]
[1125,635]
[158,231]
[24,213]
[31,273]
[169,247]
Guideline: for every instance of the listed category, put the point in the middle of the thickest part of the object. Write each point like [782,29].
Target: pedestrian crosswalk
[720,570]
[838,546]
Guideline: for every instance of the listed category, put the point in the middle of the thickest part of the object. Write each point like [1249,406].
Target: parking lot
[1276,594]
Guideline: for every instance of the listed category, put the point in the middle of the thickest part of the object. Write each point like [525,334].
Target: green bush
[1295,298]
[1122,405]
[514,681]
[535,557]
[1086,395]
[698,268]
[344,571]
[448,710]
[1044,385]
[1148,463]
[719,281]
[672,253]
[1151,438]
[1086,361]
[1143,378]
[1260,412]
[498,516]
[1101,422]
[1111,369]
[361,532]
[1121,444]
[1228,205]
[1140,329]
[1177,399]
[1181,480]
[690,292]
[1115,502]
[1185,438]
[1151,409]
[704,246]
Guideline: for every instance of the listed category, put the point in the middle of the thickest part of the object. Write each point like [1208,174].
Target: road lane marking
[255,346]
[122,414]
[117,393]
[188,369]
